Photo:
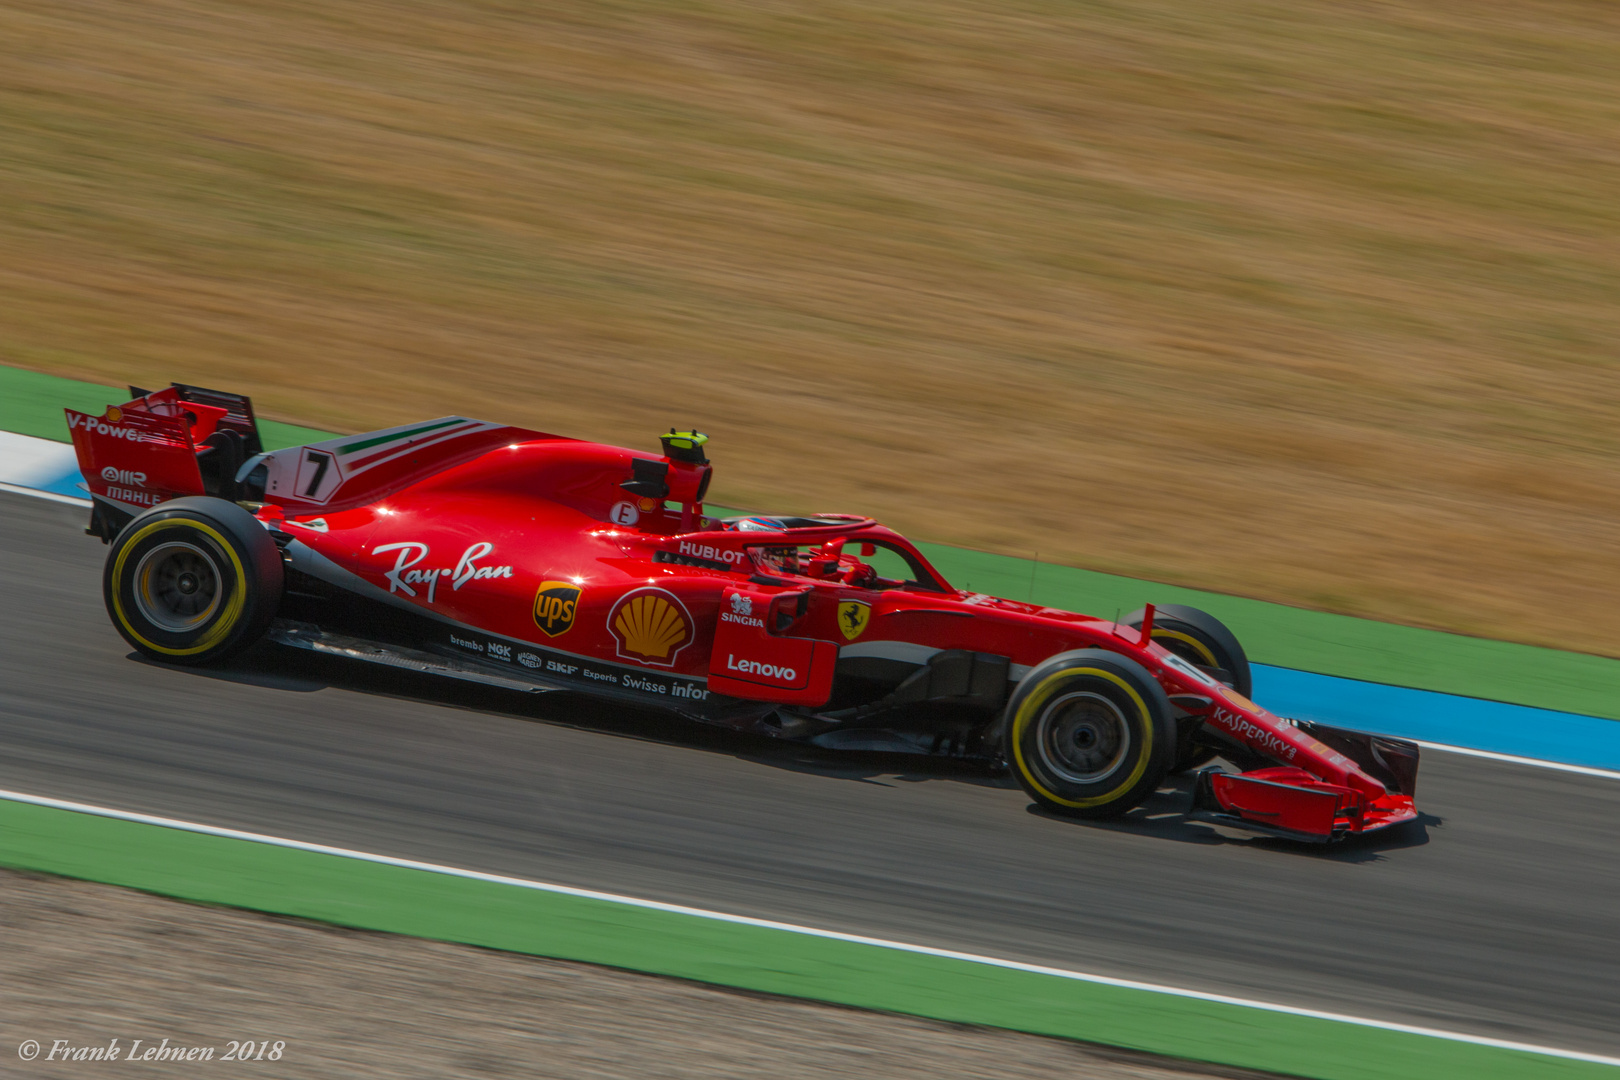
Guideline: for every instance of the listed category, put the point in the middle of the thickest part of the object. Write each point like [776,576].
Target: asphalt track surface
[1496,915]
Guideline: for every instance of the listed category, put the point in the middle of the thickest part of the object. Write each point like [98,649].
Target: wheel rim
[1084,737]
[177,586]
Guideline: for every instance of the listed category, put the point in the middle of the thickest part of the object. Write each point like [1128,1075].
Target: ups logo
[554,607]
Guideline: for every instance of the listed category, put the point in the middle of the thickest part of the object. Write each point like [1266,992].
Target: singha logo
[742,611]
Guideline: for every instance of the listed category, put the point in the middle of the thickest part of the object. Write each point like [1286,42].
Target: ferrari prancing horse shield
[853,617]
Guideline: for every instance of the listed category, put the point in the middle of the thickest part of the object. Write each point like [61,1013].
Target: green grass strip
[1317,641]
[371,896]
[1353,648]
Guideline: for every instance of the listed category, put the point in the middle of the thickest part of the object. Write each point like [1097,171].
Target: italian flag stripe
[378,440]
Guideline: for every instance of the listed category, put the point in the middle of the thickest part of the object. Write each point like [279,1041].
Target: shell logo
[651,626]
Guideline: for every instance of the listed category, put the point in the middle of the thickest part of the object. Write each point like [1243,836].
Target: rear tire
[1089,733]
[192,581]
[1204,641]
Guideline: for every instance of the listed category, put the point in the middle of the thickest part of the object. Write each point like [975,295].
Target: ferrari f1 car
[511,557]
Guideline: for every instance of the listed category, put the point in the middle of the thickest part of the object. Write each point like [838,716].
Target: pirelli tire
[192,581]
[1201,639]
[1089,733]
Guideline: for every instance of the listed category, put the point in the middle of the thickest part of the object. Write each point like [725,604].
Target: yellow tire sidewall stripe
[1031,706]
[222,625]
[1203,650]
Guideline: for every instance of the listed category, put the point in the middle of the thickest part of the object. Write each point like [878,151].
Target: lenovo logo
[755,667]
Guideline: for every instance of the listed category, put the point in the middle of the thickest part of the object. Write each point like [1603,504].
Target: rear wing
[237,416]
[162,445]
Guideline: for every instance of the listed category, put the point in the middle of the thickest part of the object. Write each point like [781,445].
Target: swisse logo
[710,552]
[1244,728]
[94,426]
[755,667]
[646,686]
[123,476]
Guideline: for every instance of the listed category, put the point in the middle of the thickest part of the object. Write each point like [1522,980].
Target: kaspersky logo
[651,626]
[555,605]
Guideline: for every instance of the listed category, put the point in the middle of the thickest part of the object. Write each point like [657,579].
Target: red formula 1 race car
[505,556]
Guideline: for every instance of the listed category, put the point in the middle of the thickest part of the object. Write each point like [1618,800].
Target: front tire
[192,581]
[1203,641]
[1089,733]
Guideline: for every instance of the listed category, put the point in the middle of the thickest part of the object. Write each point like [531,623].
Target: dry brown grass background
[1311,301]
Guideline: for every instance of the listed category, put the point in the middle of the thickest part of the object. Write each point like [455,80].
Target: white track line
[18,489]
[858,939]
[1511,759]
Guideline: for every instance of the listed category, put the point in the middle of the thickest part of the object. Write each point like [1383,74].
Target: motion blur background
[1309,301]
